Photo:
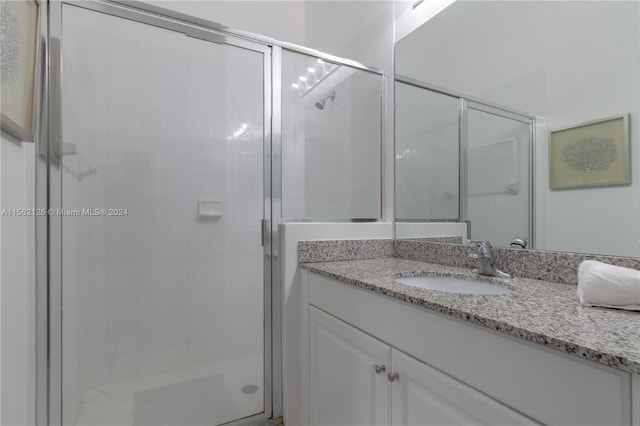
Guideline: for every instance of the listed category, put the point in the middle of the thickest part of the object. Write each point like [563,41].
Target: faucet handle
[520,242]
[486,259]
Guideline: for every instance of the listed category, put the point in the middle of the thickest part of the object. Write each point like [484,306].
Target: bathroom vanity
[381,352]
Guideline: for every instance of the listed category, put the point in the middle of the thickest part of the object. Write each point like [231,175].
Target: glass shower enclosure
[171,145]
[164,173]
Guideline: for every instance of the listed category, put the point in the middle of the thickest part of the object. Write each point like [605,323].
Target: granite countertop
[538,311]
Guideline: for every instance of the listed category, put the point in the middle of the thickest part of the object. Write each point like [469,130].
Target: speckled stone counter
[330,250]
[538,311]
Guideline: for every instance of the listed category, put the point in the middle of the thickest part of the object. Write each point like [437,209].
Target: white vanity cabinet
[448,371]
[422,395]
[348,378]
[356,379]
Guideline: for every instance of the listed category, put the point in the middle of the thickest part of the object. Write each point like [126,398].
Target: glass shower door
[163,194]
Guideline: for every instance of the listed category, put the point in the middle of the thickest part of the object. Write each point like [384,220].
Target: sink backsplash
[552,266]
[336,250]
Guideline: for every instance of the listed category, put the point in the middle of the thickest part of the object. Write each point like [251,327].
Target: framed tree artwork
[592,154]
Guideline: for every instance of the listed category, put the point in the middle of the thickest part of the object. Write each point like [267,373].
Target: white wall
[358,30]
[17,284]
[537,57]
[281,20]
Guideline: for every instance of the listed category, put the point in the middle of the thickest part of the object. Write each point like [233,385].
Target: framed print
[19,35]
[591,154]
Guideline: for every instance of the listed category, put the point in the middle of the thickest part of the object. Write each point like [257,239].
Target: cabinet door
[422,395]
[344,386]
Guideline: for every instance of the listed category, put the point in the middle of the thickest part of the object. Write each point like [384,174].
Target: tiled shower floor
[204,395]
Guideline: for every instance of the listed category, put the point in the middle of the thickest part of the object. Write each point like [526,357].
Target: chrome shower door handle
[264,229]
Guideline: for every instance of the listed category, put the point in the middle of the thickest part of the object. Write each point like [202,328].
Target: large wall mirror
[520,119]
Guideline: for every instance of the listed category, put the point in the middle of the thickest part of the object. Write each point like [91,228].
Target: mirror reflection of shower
[330,97]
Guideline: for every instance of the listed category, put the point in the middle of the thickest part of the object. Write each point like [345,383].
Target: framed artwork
[19,35]
[591,154]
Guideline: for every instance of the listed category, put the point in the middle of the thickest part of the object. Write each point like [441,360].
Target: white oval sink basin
[454,285]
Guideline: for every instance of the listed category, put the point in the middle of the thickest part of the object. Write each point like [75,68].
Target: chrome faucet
[485,260]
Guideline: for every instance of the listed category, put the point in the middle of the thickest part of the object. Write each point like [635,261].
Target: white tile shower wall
[155,112]
[359,30]
[407,18]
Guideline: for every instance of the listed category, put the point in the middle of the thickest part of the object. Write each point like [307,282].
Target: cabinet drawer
[544,384]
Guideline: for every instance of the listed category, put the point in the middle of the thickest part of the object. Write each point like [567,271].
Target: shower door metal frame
[465,105]
[49,169]
[374,71]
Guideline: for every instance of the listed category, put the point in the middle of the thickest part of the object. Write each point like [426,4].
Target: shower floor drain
[249,389]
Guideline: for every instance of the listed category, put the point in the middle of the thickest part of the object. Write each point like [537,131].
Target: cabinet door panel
[425,396]
[344,386]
